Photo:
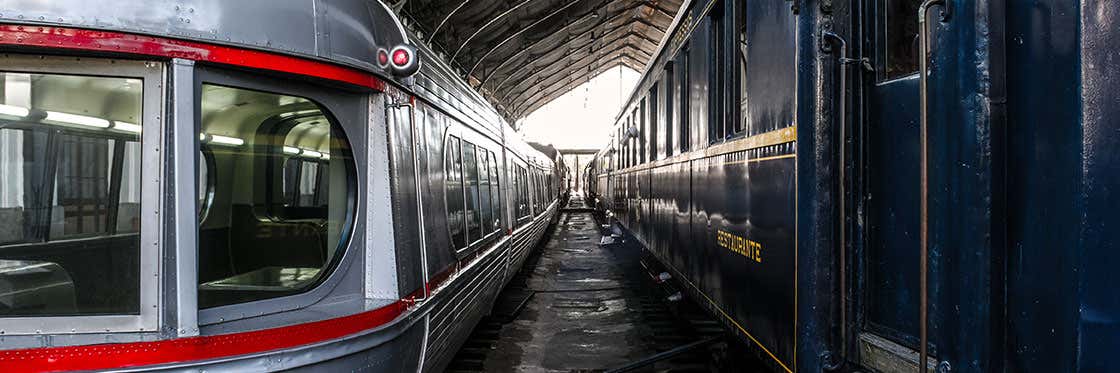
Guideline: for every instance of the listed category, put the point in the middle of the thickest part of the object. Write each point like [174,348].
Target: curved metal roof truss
[522,54]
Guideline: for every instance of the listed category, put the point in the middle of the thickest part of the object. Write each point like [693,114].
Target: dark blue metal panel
[892,204]
[816,195]
[1044,184]
[1099,321]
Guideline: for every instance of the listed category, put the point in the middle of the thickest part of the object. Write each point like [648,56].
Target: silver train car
[252,185]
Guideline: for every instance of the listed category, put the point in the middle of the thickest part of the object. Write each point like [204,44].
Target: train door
[890,301]
[408,178]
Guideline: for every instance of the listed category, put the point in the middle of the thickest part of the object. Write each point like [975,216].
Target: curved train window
[455,213]
[281,184]
[70,157]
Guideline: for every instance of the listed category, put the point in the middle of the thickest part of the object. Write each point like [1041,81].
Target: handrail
[841,123]
[923,73]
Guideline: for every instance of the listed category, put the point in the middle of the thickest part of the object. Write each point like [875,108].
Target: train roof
[346,32]
[343,32]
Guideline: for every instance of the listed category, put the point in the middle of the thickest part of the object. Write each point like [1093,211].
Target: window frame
[350,114]
[151,242]
[466,135]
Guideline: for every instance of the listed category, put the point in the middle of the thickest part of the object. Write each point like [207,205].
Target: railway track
[578,306]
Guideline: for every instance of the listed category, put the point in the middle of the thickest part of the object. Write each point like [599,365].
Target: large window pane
[494,193]
[69,195]
[280,179]
[455,217]
[484,191]
[470,179]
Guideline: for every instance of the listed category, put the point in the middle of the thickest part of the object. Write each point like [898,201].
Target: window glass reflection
[69,194]
[280,185]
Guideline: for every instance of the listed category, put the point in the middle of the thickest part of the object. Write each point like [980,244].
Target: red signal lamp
[400,57]
[404,60]
[382,58]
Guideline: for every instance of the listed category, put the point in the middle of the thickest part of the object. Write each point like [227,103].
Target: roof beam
[518,32]
[609,18]
[604,49]
[535,101]
[444,21]
[592,29]
[542,85]
[487,24]
[521,70]
[569,48]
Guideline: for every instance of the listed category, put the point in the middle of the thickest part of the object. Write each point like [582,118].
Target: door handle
[923,74]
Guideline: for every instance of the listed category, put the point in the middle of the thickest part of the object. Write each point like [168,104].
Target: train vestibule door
[890,303]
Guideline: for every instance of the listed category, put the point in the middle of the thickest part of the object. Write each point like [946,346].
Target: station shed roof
[522,54]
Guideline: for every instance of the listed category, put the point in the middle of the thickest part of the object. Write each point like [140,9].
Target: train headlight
[404,60]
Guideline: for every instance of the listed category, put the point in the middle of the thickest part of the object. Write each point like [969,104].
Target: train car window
[716,130]
[522,193]
[643,131]
[303,182]
[654,129]
[471,185]
[741,61]
[456,218]
[486,222]
[258,242]
[899,34]
[495,193]
[682,100]
[534,190]
[668,95]
[70,194]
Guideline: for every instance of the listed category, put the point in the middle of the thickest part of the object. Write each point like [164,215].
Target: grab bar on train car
[923,74]
[842,62]
[413,135]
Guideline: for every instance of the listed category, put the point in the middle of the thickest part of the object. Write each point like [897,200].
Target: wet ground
[582,306]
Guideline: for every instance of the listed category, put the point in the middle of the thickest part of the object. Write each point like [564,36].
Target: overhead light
[202,137]
[312,153]
[15,111]
[291,150]
[325,157]
[127,127]
[224,140]
[82,120]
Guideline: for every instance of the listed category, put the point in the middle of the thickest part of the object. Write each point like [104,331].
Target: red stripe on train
[117,42]
[121,355]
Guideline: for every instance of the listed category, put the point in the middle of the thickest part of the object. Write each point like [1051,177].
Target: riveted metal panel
[344,31]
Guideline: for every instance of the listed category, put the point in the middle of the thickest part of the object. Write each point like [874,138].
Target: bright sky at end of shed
[583,117]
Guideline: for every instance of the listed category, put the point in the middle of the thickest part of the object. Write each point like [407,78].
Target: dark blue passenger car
[866,184]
